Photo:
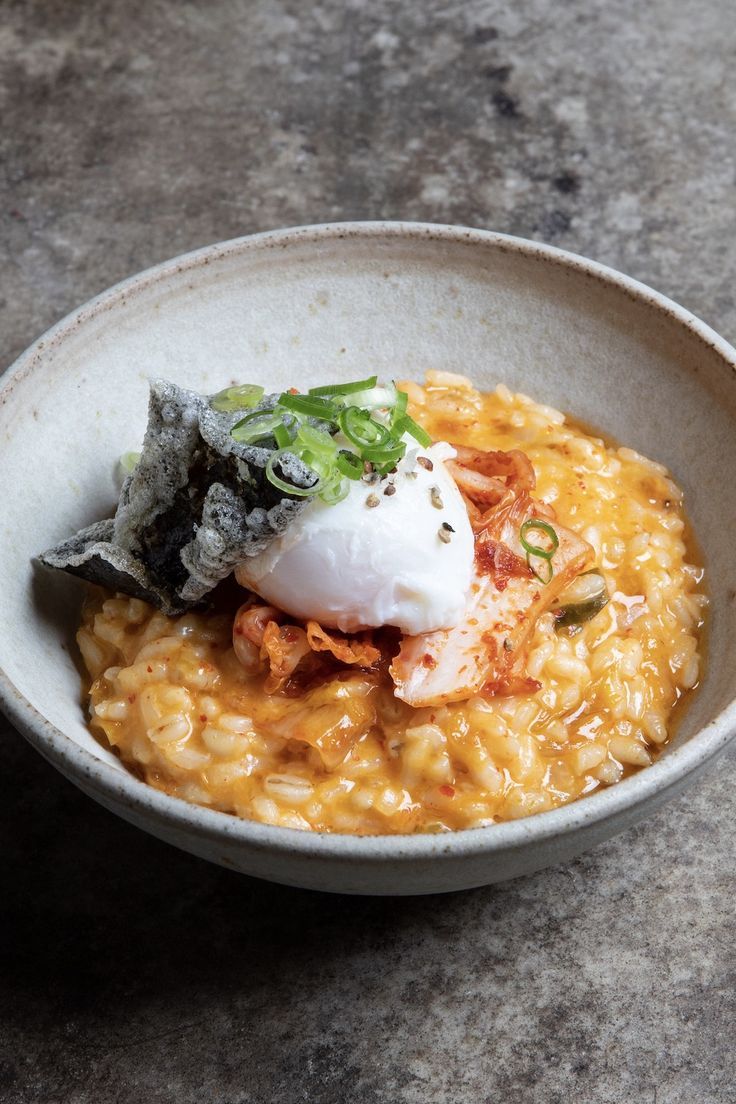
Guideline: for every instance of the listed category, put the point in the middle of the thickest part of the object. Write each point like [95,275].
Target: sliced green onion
[312,407]
[255,426]
[349,464]
[345,388]
[289,488]
[129,460]
[322,466]
[375,398]
[402,401]
[534,549]
[372,418]
[387,455]
[237,398]
[581,600]
[543,570]
[317,440]
[335,491]
[405,424]
[254,414]
[281,435]
[361,429]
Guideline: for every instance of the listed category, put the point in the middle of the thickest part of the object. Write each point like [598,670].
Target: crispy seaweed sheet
[196,504]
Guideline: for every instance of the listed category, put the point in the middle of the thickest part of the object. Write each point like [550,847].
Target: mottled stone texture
[133,131]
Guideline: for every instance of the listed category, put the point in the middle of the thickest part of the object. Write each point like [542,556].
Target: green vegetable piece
[255,426]
[309,405]
[289,488]
[349,464]
[345,388]
[128,461]
[317,441]
[582,600]
[237,398]
[281,435]
[361,430]
[388,455]
[405,424]
[538,557]
[543,527]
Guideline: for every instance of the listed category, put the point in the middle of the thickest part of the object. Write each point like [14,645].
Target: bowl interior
[296,308]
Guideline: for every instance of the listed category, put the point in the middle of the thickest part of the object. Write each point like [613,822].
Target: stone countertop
[132,132]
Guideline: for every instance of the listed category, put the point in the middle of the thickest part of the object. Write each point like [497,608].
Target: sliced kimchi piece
[332,718]
[261,638]
[345,649]
[249,628]
[486,650]
[285,647]
[486,478]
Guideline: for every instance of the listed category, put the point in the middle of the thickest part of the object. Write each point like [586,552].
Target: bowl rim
[116,787]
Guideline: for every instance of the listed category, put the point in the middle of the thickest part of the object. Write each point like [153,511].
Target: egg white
[354,566]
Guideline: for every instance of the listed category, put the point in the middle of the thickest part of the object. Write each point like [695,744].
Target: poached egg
[402,558]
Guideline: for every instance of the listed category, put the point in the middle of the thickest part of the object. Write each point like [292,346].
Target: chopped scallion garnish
[349,464]
[406,424]
[128,461]
[534,552]
[307,404]
[344,388]
[362,430]
[240,397]
[256,426]
[282,485]
[383,454]
[281,435]
[315,427]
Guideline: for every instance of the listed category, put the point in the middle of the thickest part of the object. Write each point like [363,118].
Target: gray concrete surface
[133,131]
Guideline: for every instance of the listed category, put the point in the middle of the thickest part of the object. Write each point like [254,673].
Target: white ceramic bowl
[330,302]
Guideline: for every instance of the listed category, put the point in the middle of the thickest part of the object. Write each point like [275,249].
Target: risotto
[343,753]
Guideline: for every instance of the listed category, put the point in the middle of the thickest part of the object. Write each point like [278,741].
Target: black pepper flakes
[444,534]
[507,645]
[425,462]
[436,497]
[372,500]
[390,490]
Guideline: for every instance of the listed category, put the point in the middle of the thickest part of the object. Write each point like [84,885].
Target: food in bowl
[386,609]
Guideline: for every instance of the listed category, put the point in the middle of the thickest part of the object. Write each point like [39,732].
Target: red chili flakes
[510,685]
[203,718]
[495,559]
[429,661]
[446,790]
[150,670]
[131,698]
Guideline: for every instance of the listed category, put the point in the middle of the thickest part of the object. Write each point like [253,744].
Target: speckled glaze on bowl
[329,302]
